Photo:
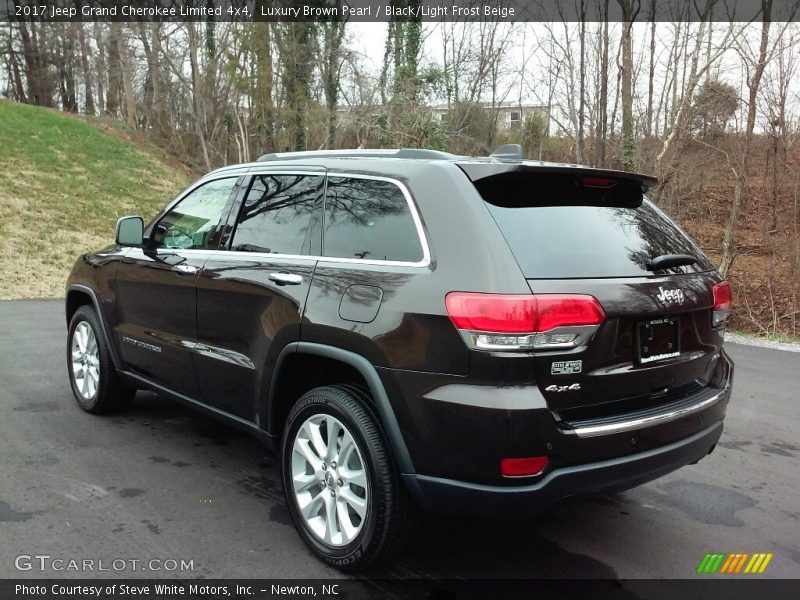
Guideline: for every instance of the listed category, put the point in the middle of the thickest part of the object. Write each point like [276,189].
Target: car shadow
[447,547]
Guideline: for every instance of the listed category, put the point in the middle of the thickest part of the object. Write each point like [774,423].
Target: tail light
[722,303]
[497,322]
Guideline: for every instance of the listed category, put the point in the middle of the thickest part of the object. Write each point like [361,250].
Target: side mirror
[130,231]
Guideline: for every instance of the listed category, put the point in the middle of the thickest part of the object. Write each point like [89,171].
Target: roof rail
[416,153]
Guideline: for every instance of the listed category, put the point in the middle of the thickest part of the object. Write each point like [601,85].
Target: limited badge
[566,367]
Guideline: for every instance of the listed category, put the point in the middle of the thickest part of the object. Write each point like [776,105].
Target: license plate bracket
[657,339]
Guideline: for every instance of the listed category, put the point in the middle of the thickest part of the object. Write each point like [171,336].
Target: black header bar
[386,10]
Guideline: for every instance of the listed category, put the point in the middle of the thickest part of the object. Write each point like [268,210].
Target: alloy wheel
[85,360]
[329,480]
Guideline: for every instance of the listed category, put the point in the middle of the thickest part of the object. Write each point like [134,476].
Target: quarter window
[278,214]
[194,222]
[369,219]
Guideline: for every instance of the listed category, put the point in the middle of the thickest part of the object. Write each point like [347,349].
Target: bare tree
[630,9]
[88,77]
[679,130]
[602,101]
[331,64]
[651,72]
[753,82]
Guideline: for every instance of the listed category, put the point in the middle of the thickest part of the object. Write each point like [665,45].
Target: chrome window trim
[423,239]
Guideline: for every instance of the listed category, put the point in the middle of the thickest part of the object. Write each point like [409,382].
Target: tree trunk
[678,133]
[65,67]
[728,240]
[651,72]
[101,66]
[334,34]
[297,79]
[88,79]
[114,89]
[582,80]
[199,109]
[627,157]
[263,83]
[127,77]
[16,76]
[40,86]
[602,102]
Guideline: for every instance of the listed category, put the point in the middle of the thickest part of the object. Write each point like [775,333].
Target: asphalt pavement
[161,483]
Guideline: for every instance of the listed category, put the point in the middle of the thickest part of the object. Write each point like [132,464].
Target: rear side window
[369,219]
[278,214]
[558,230]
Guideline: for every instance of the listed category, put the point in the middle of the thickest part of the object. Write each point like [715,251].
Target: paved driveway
[160,482]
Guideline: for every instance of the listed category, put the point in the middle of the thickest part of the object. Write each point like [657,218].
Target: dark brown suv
[411,329]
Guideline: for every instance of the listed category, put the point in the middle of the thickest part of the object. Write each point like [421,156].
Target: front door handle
[185,269]
[286,278]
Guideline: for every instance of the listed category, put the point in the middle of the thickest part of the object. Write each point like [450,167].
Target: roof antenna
[509,152]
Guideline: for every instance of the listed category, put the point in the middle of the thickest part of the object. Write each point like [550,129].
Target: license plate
[658,339]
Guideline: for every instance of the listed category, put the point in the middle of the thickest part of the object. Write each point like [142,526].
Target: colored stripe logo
[734,563]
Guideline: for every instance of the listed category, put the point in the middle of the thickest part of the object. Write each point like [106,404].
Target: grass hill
[63,184]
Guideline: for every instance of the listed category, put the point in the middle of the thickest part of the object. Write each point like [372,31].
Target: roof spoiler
[588,176]
[508,152]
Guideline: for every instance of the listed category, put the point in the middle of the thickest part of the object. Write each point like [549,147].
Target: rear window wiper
[665,261]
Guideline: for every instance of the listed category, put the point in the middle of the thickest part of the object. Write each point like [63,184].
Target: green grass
[63,185]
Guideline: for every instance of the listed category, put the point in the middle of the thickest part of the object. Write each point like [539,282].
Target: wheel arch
[81,295]
[76,298]
[359,365]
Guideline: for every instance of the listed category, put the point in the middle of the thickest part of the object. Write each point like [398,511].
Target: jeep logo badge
[668,297]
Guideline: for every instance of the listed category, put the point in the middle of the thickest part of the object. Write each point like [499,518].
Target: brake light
[523,322]
[599,182]
[523,467]
[723,296]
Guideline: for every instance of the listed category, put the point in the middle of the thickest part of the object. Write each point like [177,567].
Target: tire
[390,517]
[95,384]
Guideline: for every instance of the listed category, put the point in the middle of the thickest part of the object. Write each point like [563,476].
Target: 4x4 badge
[563,388]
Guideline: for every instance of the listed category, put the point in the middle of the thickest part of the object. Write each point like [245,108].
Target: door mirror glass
[130,231]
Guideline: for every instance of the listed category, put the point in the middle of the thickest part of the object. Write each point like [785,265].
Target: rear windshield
[562,231]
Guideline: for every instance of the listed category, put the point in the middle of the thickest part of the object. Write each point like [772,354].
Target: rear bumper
[459,497]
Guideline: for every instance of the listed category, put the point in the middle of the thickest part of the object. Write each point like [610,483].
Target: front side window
[193,224]
[369,219]
[278,214]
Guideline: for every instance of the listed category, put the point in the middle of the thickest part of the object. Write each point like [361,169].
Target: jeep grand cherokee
[411,329]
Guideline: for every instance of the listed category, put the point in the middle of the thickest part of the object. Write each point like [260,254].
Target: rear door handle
[286,278]
[185,269]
